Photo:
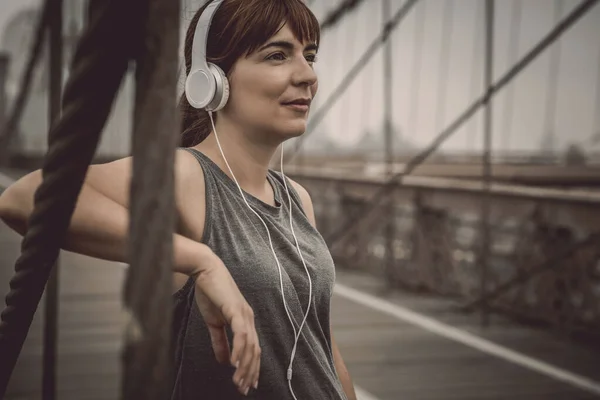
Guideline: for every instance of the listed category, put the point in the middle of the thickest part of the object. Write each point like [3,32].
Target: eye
[279,56]
[311,58]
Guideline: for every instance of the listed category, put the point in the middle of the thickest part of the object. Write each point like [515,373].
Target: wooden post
[147,293]
[52,287]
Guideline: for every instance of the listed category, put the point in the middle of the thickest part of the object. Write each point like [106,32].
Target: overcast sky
[361,108]
[578,73]
[8,8]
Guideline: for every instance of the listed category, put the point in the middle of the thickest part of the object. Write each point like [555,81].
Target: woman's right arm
[100,223]
[99,228]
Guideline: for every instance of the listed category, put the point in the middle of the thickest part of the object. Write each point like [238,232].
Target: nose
[304,75]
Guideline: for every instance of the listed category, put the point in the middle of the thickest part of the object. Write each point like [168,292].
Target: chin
[294,129]
[293,133]
[287,131]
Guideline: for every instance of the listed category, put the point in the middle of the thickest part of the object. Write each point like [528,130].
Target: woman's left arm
[340,366]
[342,371]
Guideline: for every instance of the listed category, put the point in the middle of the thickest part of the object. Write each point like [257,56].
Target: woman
[239,223]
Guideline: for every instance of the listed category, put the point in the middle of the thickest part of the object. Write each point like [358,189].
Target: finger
[253,354]
[257,375]
[256,356]
[256,369]
[247,364]
[220,344]
[240,339]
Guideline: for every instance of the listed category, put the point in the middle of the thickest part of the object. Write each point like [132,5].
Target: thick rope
[99,65]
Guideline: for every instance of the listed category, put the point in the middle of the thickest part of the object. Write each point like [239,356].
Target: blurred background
[465,232]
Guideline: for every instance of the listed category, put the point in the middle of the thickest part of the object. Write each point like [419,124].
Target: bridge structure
[452,159]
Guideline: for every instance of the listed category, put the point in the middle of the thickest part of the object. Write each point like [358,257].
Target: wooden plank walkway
[388,357]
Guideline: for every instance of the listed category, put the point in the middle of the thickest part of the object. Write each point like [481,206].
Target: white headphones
[207,87]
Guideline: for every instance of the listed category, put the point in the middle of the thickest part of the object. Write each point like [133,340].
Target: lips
[302,108]
[298,102]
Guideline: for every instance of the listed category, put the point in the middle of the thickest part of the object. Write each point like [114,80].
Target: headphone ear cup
[200,88]
[222,89]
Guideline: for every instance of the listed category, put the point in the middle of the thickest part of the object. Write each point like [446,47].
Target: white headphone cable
[296,334]
[305,268]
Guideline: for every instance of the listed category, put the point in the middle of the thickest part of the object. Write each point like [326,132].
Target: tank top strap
[278,177]
[198,156]
[215,177]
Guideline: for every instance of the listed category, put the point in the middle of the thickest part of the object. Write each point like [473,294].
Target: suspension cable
[367,88]
[549,134]
[415,83]
[349,78]
[513,47]
[9,130]
[566,23]
[98,67]
[371,205]
[336,15]
[476,76]
[350,40]
[446,42]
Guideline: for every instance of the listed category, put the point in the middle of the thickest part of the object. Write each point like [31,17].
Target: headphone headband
[206,85]
[201,36]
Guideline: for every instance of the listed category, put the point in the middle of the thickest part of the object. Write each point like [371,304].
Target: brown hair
[238,28]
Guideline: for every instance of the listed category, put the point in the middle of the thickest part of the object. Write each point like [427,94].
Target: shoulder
[190,187]
[190,202]
[306,200]
[187,169]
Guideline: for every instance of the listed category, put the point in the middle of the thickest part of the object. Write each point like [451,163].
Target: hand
[221,303]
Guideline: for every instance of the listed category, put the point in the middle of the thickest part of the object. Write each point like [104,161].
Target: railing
[544,256]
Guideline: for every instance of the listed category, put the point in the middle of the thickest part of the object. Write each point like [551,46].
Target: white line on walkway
[466,338]
[361,394]
[447,331]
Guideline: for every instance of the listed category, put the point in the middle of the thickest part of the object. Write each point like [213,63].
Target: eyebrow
[287,45]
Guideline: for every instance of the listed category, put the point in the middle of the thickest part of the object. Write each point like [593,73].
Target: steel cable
[10,128]
[336,15]
[349,78]
[414,162]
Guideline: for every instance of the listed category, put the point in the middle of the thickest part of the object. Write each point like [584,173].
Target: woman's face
[272,88]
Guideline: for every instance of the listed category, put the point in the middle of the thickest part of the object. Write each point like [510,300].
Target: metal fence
[543,259]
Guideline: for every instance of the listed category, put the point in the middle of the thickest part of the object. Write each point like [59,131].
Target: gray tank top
[238,237]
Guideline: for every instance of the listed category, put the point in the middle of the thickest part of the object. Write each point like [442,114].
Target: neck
[248,156]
